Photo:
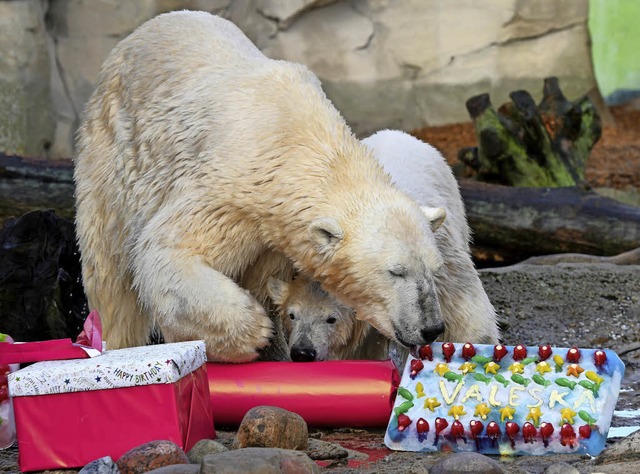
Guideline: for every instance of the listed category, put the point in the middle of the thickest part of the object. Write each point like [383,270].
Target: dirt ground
[614,161]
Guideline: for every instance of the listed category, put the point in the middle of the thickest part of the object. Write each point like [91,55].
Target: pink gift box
[69,413]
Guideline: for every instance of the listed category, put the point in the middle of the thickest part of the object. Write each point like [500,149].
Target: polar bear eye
[292,316]
[331,320]
[398,271]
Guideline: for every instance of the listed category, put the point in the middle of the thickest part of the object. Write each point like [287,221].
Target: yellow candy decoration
[567,415]
[516,368]
[457,411]
[482,410]
[491,367]
[431,404]
[507,412]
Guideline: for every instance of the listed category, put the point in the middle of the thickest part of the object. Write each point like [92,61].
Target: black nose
[429,334]
[300,354]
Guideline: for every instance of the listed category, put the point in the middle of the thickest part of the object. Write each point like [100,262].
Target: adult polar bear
[319,328]
[199,157]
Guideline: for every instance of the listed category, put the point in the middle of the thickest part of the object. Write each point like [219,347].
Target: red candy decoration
[476,427]
[573,355]
[457,431]
[441,424]
[585,431]
[425,352]
[403,422]
[529,432]
[416,366]
[468,351]
[544,352]
[599,358]
[499,351]
[567,435]
[422,426]
[519,352]
[546,430]
[447,351]
[493,432]
[512,430]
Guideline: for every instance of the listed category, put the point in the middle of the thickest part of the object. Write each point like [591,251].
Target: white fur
[419,169]
[200,158]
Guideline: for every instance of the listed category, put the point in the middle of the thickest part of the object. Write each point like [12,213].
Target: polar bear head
[318,327]
[382,261]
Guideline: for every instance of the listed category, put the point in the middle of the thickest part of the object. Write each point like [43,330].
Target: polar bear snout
[430,333]
[419,337]
[303,354]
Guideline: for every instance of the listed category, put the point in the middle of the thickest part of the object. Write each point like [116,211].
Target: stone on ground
[104,465]
[321,450]
[151,455]
[561,468]
[203,448]
[258,461]
[625,450]
[466,463]
[177,469]
[272,427]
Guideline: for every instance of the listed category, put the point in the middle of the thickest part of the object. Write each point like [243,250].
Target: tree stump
[526,145]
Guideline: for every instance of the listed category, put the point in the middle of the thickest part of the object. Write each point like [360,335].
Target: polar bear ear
[277,290]
[436,216]
[325,233]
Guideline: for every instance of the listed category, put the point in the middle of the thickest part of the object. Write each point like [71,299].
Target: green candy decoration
[403,408]
[566,383]
[501,379]
[586,417]
[481,360]
[519,379]
[404,393]
[481,378]
[590,386]
[540,380]
[452,376]
[529,360]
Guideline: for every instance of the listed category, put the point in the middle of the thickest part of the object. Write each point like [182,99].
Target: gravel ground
[588,305]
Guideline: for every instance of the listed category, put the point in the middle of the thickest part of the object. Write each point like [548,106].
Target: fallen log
[509,224]
[32,184]
[524,222]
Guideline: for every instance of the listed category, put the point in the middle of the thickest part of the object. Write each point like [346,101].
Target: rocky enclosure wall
[384,63]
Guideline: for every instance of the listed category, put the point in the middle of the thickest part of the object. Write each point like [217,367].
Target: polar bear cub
[318,327]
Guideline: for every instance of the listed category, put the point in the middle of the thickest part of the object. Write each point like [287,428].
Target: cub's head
[382,262]
[318,327]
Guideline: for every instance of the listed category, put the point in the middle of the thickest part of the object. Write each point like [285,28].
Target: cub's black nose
[429,334]
[300,354]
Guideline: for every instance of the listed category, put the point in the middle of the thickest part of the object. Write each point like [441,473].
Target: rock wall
[384,63]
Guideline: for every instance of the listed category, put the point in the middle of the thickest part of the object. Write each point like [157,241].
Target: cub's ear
[436,216]
[278,290]
[325,233]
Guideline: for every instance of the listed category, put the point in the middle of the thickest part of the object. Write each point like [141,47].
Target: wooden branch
[526,145]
